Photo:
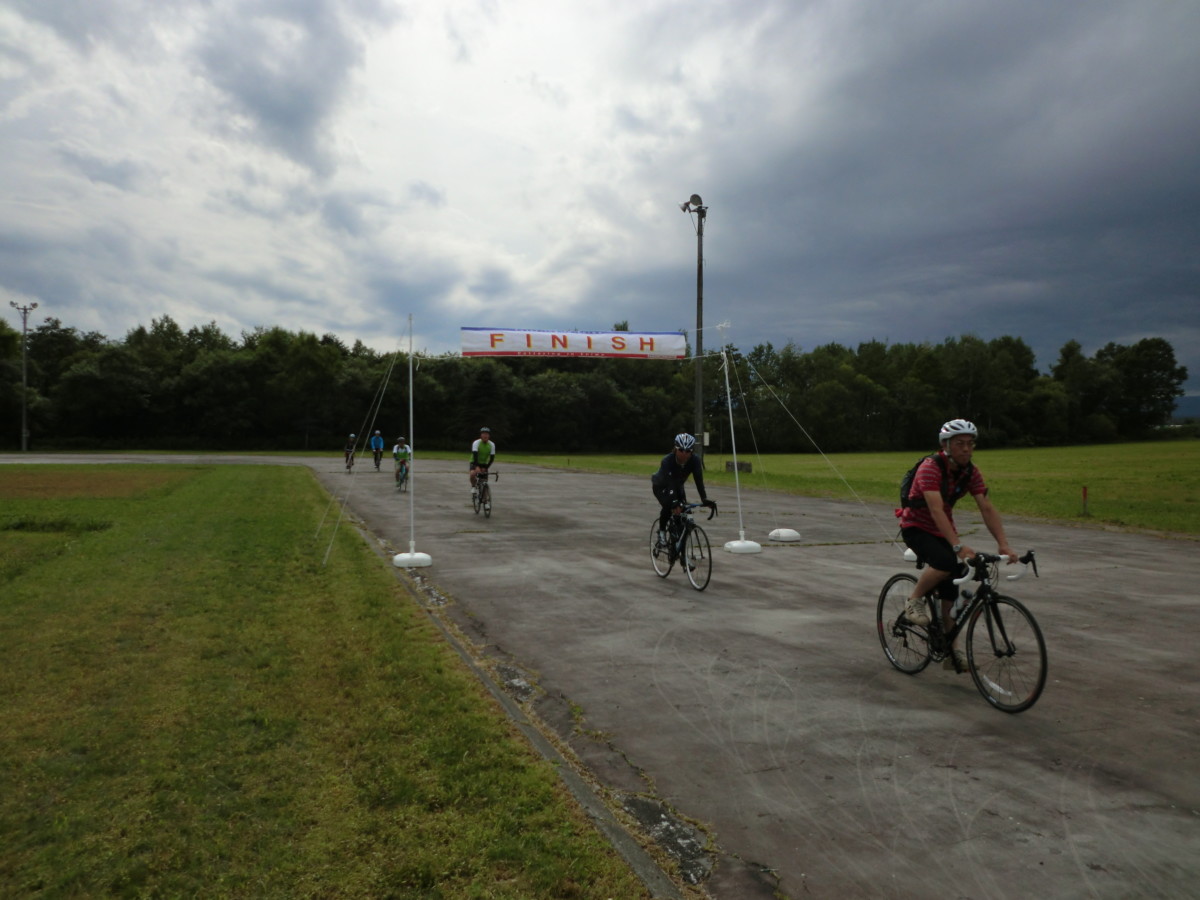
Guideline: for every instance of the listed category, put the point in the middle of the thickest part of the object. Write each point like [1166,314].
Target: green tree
[1147,383]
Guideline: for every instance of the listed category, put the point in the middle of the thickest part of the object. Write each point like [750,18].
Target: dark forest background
[161,387]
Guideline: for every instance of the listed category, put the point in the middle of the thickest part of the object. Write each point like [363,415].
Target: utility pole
[24,311]
[696,205]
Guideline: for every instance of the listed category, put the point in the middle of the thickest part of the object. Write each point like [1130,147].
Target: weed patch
[193,705]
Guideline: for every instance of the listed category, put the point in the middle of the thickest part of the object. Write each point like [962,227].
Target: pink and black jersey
[929,478]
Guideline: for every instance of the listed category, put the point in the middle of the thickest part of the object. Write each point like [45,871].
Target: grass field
[192,705]
[1148,486]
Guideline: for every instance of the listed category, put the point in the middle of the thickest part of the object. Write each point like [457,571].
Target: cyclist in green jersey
[402,454]
[483,451]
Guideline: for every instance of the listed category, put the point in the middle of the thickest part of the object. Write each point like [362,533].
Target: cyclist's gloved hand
[711,504]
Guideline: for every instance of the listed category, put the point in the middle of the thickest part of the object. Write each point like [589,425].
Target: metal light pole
[696,205]
[24,311]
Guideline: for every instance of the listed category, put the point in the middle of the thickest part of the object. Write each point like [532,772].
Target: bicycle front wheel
[1006,654]
[485,498]
[477,498]
[697,558]
[660,555]
[906,645]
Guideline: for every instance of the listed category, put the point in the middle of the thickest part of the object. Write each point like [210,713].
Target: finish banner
[610,344]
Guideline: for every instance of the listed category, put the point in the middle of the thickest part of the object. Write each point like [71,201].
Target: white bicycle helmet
[684,441]
[954,428]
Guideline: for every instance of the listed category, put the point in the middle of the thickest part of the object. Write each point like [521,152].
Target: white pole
[741,545]
[411,559]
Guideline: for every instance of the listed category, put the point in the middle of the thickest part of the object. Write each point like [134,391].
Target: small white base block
[785,534]
[411,560]
[743,547]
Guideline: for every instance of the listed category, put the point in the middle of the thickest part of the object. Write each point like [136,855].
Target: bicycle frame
[1005,653]
[983,568]
[686,543]
[482,495]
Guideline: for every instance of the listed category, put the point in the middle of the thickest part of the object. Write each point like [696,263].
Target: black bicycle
[686,543]
[1005,652]
[481,494]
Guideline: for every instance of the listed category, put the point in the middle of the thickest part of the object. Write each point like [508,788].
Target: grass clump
[193,705]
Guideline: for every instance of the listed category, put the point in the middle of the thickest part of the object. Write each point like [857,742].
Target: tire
[485,497]
[906,645]
[660,557]
[1006,654]
[697,558]
[477,498]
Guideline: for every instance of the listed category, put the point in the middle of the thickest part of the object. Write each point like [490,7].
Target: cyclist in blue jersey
[377,447]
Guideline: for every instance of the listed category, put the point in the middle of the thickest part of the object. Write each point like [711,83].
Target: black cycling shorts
[935,551]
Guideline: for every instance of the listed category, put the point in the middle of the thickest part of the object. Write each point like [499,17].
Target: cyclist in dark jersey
[667,482]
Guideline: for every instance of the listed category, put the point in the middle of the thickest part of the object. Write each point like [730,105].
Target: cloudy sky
[900,171]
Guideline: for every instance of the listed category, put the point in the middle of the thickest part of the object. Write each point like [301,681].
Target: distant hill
[1187,408]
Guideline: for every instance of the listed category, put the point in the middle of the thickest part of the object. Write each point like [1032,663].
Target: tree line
[161,387]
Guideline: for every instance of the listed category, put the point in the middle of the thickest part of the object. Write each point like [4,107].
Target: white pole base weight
[411,560]
[744,547]
[785,534]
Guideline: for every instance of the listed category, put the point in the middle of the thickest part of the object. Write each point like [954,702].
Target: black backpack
[950,492]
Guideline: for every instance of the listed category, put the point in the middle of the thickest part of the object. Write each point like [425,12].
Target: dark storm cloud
[900,172]
[1017,168]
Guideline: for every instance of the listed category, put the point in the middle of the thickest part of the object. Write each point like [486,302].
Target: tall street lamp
[24,311]
[696,205]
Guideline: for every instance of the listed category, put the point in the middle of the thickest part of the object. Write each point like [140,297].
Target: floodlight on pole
[696,205]
[24,311]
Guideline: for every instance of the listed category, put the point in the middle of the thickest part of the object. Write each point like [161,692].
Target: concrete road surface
[762,717]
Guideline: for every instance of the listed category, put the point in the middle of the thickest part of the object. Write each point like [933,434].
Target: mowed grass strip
[1148,486]
[191,704]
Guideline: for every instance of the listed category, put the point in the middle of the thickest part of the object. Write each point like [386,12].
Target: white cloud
[871,172]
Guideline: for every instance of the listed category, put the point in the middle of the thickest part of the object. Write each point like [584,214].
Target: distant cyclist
[483,452]
[351,443]
[667,482]
[377,448]
[402,454]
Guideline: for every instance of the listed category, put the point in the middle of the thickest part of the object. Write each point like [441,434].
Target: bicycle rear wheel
[485,498]
[906,645]
[660,556]
[1008,664]
[697,558]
